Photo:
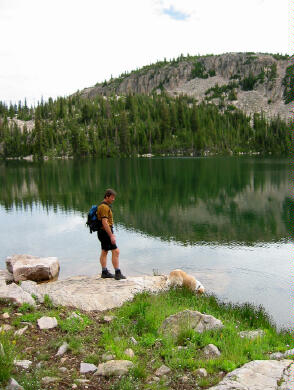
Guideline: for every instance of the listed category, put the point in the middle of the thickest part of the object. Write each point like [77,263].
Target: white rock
[277,356]
[114,368]
[155,379]
[21,331]
[108,318]
[31,287]
[184,379]
[5,315]
[251,334]
[83,381]
[50,379]
[5,328]
[15,293]
[62,369]
[133,340]
[22,363]
[288,353]
[62,349]
[211,351]
[62,360]
[74,386]
[201,372]
[47,322]
[259,375]
[74,315]
[87,367]
[2,353]
[27,267]
[129,352]
[107,356]
[13,385]
[162,370]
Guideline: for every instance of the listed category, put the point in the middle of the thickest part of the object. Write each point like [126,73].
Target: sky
[56,47]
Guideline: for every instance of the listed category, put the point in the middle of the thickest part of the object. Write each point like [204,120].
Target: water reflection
[220,200]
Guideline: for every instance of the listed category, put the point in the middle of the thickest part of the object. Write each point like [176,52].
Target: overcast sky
[55,47]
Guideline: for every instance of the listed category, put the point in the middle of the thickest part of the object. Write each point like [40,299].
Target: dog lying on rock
[181,278]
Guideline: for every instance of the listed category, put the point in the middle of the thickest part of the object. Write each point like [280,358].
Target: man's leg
[103,258]
[115,258]
[115,263]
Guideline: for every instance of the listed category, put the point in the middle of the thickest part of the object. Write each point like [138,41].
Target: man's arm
[108,230]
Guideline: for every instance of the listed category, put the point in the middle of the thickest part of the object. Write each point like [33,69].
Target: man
[106,236]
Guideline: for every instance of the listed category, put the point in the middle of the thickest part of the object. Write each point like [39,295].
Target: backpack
[92,221]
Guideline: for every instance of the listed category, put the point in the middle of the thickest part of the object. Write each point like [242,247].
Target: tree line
[122,126]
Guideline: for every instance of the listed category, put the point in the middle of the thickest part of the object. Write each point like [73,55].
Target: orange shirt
[104,211]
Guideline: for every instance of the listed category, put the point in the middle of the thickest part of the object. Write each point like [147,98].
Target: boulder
[251,334]
[15,293]
[259,375]
[114,368]
[5,277]
[189,319]
[27,267]
[47,322]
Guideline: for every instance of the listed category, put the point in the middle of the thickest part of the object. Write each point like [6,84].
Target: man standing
[106,236]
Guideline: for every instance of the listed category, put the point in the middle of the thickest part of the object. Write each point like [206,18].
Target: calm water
[224,220]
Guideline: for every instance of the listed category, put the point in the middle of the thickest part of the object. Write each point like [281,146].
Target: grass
[89,338]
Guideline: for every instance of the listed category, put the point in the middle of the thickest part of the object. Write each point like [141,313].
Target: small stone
[184,379]
[50,379]
[18,314]
[21,331]
[74,386]
[62,349]
[5,328]
[114,368]
[133,340]
[62,369]
[201,372]
[47,322]
[87,367]
[276,356]
[74,315]
[13,385]
[107,356]
[163,370]
[251,334]
[155,379]
[129,352]
[39,365]
[288,353]
[5,315]
[108,318]
[23,363]
[83,381]
[211,351]
[62,360]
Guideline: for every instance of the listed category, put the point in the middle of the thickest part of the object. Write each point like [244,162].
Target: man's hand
[108,231]
[113,239]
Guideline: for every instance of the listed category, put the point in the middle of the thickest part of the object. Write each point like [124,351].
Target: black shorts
[104,238]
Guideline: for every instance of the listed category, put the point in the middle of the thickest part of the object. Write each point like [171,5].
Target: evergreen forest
[132,125]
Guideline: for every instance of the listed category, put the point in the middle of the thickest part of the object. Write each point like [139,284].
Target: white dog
[181,278]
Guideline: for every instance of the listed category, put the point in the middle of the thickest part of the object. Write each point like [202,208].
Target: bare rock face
[114,368]
[27,267]
[189,319]
[259,375]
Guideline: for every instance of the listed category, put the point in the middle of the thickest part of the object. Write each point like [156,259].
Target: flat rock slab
[90,294]
[259,375]
[15,293]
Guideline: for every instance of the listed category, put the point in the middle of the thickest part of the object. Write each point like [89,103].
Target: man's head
[109,196]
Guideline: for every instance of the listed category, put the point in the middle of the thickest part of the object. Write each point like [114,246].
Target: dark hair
[109,192]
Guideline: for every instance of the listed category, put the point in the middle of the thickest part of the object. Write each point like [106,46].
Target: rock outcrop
[177,78]
[259,375]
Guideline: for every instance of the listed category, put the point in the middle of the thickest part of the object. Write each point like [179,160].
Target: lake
[225,220]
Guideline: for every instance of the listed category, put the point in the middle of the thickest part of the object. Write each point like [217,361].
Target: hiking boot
[106,274]
[119,275]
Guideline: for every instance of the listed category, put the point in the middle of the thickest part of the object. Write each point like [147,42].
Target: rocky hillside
[252,82]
